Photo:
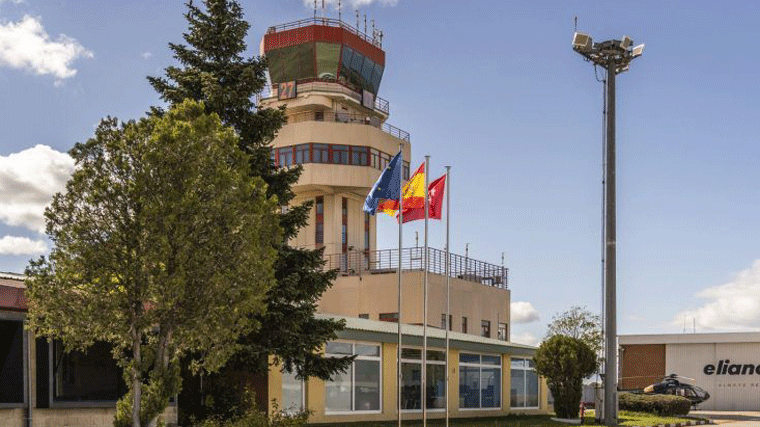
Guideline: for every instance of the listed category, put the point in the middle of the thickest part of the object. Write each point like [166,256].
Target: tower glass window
[328,55]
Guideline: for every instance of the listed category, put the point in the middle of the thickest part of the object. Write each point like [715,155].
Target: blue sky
[493,89]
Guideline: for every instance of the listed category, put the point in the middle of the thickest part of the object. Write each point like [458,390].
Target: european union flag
[388,186]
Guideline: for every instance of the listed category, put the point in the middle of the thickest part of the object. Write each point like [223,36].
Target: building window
[321,153]
[524,384]
[344,223]
[319,116]
[86,376]
[443,321]
[319,225]
[359,156]
[464,325]
[285,156]
[411,372]
[389,317]
[339,154]
[364,316]
[302,154]
[502,333]
[358,389]
[293,394]
[479,381]
[11,361]
[485,328]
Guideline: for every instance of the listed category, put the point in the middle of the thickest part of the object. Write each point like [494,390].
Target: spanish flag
[414,195]
[435,203]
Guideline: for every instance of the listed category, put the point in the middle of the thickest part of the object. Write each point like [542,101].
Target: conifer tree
[213,68]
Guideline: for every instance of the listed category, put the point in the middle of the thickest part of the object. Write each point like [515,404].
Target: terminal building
[327,75]
[726,365]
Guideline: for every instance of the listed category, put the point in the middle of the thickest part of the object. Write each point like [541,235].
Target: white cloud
[733,306]
[146,55]
[12,245]
[523,312]
[349,5]
[28,180]
[525,338]
[26,45]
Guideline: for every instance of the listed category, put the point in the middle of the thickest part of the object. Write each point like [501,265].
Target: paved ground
[731,418]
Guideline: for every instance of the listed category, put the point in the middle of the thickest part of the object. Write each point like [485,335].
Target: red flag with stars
[435,202]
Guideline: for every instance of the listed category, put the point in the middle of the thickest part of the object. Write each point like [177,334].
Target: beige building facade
[488,378]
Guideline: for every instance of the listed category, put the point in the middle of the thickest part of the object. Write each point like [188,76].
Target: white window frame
[480,367]
[525,368]
[419,362]
[379,359]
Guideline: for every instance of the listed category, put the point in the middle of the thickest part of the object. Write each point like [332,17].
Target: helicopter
[671,385]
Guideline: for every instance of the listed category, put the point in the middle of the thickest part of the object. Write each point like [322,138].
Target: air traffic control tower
[327,74]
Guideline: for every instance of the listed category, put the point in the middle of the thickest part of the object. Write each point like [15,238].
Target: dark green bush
[658,404]
[253,417]
[564,362]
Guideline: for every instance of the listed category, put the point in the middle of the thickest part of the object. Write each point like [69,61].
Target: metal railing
[355,263]
[325,84]
[361,119]
[327,22]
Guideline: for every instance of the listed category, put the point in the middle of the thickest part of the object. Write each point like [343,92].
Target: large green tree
[214,68]
[579,322]
[564,361]
[162,247]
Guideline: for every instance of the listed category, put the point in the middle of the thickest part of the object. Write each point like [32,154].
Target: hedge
[659,404]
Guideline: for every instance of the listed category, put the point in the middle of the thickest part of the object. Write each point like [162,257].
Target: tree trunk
[136,382]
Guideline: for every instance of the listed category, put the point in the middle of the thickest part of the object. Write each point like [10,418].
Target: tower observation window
[355,155]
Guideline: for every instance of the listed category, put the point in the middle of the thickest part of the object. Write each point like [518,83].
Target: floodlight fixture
[582,41]
[626,42]
[637,51]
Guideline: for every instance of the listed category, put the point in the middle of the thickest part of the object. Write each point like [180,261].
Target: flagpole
[448,290]
[398,320]
[425,298]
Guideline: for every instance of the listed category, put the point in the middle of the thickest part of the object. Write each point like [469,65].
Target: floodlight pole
[610,294]
[614,56]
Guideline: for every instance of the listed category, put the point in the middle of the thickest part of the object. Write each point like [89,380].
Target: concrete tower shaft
[327,75]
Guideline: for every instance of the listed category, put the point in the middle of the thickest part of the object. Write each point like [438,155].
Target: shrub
[564,362]
[659,404]
[253,417]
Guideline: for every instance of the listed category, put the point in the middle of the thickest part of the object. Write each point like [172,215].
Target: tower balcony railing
[386,261]
[361,119]
[332,85]
[328,22]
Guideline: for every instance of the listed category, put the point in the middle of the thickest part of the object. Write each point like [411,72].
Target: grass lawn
[625,419]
